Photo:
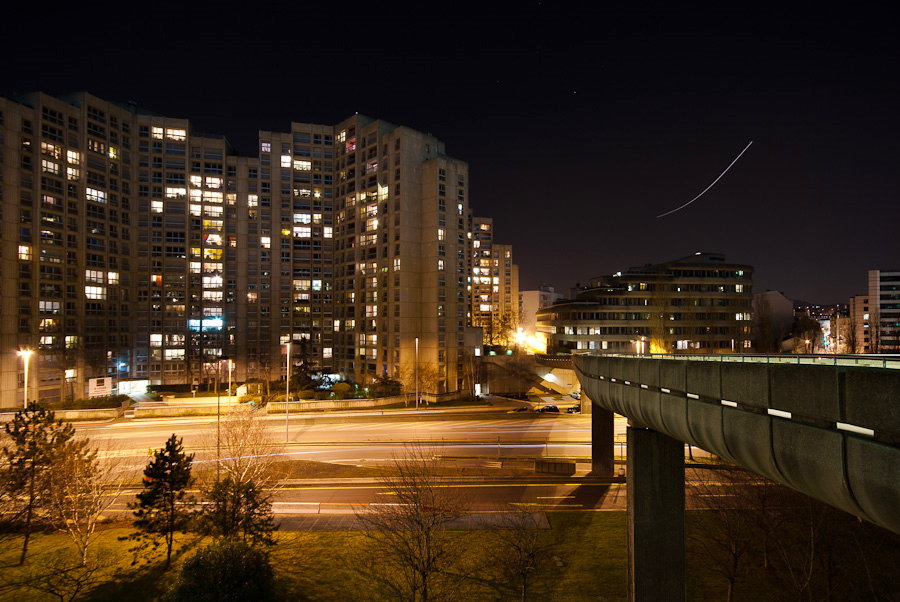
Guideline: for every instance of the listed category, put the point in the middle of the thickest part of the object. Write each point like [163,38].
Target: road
[486,437]
[365,437]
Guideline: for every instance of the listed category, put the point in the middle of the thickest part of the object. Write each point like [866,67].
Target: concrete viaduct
[826,426]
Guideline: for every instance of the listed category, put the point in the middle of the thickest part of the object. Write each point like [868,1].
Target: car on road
[549,409]
[574,410]
[575,395]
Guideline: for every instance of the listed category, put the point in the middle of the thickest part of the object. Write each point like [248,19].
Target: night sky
[579,127]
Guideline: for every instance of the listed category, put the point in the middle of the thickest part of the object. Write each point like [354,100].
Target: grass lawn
[587,561]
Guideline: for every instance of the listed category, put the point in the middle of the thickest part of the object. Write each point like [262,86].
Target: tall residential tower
[135,247]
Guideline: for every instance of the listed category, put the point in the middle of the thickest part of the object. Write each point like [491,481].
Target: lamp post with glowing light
[25,354]
[287,387]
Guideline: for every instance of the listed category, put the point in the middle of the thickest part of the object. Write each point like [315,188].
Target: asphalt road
[487,437]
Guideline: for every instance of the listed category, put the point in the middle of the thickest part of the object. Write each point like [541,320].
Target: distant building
[494,287]
[696,304]
[531,301]
[860,341]
[884,303]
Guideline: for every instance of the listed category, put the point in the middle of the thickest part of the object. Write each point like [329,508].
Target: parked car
[549,409]
[575,395]
[574,410]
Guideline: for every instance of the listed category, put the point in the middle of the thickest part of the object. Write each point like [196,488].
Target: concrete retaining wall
[172,411]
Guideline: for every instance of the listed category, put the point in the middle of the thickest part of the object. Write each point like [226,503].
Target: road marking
[546,505]
[556,497]
[730,404]
[693,396]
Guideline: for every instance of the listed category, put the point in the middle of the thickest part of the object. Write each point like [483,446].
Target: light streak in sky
[708,187]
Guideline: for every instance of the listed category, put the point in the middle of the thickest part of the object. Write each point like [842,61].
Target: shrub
[228,569]
[111,401]
[342,390]
[306,394]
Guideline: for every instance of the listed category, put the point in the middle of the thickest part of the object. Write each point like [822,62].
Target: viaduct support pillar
[602,443]
[655,484]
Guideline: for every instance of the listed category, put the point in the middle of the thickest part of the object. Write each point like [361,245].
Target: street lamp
[417,373]
[287,387]
[25,354]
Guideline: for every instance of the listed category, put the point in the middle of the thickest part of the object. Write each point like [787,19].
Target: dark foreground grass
[587,561]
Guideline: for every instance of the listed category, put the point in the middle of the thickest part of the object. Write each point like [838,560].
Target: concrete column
[602,444]
[655,473]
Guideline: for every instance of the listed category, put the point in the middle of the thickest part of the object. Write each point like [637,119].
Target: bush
[306,394]
[111,401]
[228,569]
[342,390]
[323,395]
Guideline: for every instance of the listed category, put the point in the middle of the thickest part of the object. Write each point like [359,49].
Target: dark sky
[580,126]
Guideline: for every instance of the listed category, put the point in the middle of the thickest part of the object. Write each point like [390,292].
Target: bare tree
[248,450]
[521,549]
[410,555]
[57,575]
[428,377]
[728,529]
[85,485]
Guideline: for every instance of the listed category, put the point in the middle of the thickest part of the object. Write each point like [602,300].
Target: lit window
[156,132]
[213,182]
[195,210]
[300,165]
[51,149]
[302,218]
[156,206]
[285,160]
[327,232]
[440,234]
[50,167]
[265,242]
[24,252]
[302,232]
[73,173]
[265,147]
[113,152]
[95,292]
[175,134]
[252,200]
[176,193]
[112,278]
[94,276]
[326,352]
[196,181]
[173,354]
[73,157]
[440,264]
[396,263]
[92,194]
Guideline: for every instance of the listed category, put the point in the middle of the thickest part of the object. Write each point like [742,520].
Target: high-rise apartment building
[137,248]
[494,288]
[696,304]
